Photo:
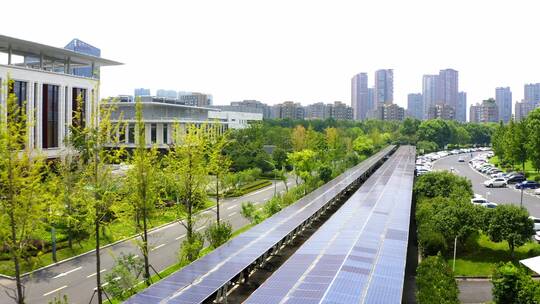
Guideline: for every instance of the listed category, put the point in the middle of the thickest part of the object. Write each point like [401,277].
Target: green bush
[123,276]
[272,206]
[431,242]
[218,233]
[443,184]
[251,213]
[435,282]
[512,284]
[191,249]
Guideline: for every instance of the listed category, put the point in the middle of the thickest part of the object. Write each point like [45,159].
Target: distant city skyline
[251,56]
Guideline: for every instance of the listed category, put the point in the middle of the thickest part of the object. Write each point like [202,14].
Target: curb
[106,246]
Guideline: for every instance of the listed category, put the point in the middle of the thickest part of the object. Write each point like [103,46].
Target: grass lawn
[117,230]
[530,172]
[481,256]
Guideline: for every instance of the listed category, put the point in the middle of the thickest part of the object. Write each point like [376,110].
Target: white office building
[48,88]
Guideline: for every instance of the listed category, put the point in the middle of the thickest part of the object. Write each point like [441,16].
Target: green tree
[512,224]
[218,163]
[435,130]
[435,282]
[99,188]
[124,275]
[143,188]
[512,284]
[533,126]
[299,138]
[251,213]
[187,173]
[304,163]
[516,143]
[363,145]
[22,199]
[443,184]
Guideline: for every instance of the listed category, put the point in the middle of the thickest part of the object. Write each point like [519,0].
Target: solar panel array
[359,254]
[201,279]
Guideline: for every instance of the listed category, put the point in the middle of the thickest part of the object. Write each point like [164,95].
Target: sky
[304,51]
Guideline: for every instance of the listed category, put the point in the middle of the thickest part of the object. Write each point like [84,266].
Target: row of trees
[444,217]
[518,142]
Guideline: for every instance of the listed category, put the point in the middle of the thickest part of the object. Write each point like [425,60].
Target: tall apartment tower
[532,94]
[503,99]
[461,108]
[384,87]
[448,86]
[360,96]
[415,107]
[430,93]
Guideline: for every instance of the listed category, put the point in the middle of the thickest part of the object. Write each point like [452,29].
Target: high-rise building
[392,112]
[142,92]
[522,109]
[172,94]
[340,111]
[317,111]
[415,106]
[448,86]
[371,98]
[360,96]
[441,111]
[248,106]
[503,98]
[441,89]
[196,99]
[384,87]
[532,93]
[82,47]
[487,111]
[430,92]
[461,108]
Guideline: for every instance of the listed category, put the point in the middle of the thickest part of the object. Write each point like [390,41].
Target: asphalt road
[507,195]
[76,278]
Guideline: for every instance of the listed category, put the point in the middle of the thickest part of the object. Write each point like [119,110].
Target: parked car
[489,205]
[421,171]
[495,182]
[528,184]
[536,222]
[479,201]
[461,159]
[513,179]
[537,191]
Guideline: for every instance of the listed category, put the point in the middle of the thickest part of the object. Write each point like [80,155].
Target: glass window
[18,90]
[153,133]
[50,116]
[78,107]
[165,133]
[131,134]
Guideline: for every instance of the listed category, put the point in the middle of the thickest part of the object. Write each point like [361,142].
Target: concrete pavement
[76,278]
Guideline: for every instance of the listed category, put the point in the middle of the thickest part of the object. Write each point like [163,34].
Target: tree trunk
[98,261]
[145,250]
[217,197]
[16,261]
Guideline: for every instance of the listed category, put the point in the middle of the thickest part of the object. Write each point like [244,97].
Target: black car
[514,179]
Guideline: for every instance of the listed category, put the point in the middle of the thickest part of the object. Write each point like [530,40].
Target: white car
[537,191]
[536,222]
[495,182]
[479,201]
[489,205]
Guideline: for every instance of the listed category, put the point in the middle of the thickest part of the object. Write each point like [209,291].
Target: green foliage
[533,145]
[443,184]
[512,284]
[251,213]
[272,206]
[120,282]
[60,300]
[218,233]
[325,173]
[363,145]
[512,224]
[191,248]
[427,146]
[435,282]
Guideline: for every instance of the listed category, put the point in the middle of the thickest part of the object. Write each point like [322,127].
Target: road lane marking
[232,214]
[53,291]
[67,272]
[157,247]
[180,237]
[200,228]
[231,207]
[136,256]
[93,274]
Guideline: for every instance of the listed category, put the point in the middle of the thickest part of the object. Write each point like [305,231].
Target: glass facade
[131,133]
[165,133]
[49,124]
[153,133]
[78,107]
[19,89]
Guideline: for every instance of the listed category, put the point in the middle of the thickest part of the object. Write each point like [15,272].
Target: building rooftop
[15,46]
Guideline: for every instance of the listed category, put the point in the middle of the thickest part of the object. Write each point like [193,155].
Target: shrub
[431,242]
[123,276]
[218,233]
[325,174]
[272,206]
[435,282]
[250,212]
[191,248]
[443,184]
[512,284]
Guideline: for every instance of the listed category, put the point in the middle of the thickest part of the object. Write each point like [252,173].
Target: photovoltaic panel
[359,254]
[201,279]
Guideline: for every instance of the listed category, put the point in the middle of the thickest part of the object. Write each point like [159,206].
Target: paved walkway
[475,291]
